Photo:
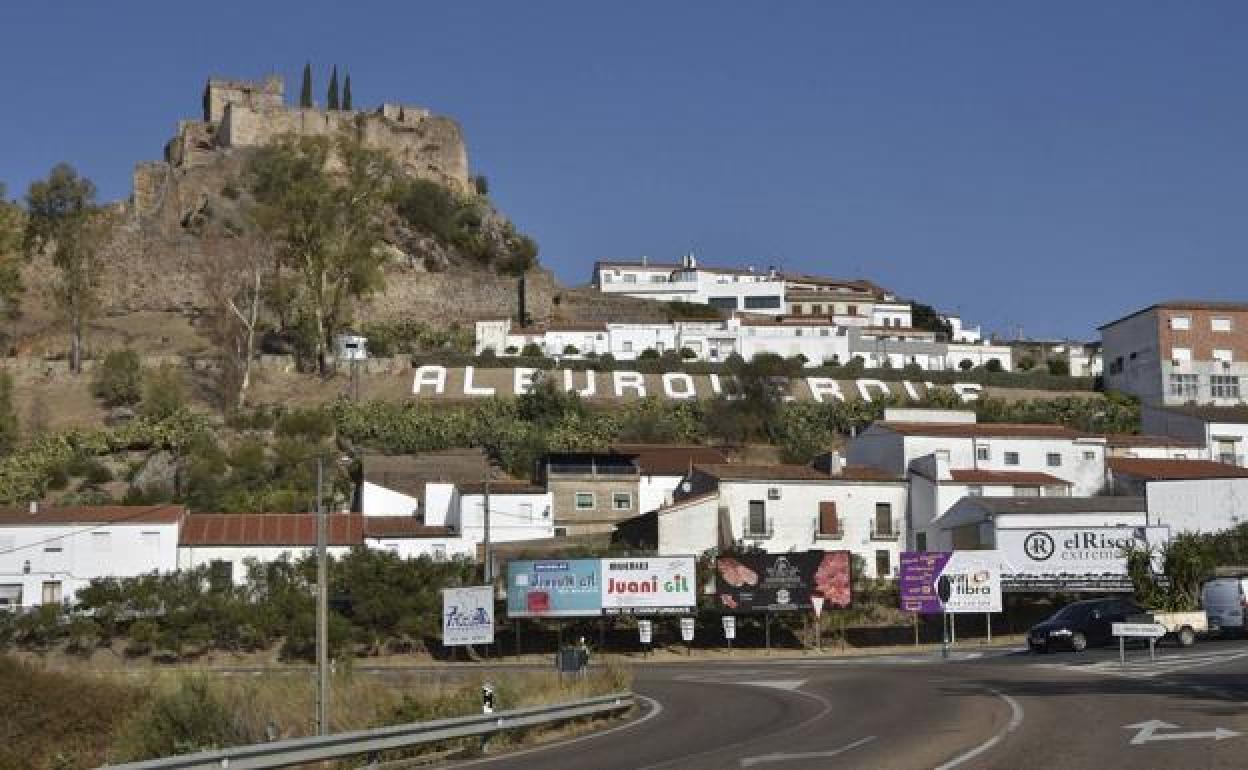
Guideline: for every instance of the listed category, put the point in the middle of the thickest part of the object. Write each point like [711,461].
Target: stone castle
[246,114]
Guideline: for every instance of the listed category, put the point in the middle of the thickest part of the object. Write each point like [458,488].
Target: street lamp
[322,599]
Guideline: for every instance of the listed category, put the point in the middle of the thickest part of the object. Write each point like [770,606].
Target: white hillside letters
[435,382]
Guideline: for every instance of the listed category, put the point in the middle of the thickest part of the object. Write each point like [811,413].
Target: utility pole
[322,608]
[489,568]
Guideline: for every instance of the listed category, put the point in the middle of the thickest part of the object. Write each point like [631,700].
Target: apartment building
[590,492]
[1180,352]
[729,289]
[1185,495]
[784,508]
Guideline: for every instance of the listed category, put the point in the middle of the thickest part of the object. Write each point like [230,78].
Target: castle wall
[219,94]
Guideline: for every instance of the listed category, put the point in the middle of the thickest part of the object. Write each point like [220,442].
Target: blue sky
[1050,165]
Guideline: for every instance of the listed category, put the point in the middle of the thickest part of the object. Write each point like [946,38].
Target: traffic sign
[1146,630]
[817,603]
[686,629]
[645,630]
[730,626]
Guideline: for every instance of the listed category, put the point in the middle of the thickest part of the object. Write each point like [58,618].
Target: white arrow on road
[1147,732]
[751,761]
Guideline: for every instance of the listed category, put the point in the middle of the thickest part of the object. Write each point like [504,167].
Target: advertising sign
[782,582]
[554,588]
[468,615]
[972,581]
[645,630]
[1082,551]
[648,586]
[730,626]
[686,629]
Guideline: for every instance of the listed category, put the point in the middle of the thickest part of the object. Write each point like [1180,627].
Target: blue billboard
[554,588]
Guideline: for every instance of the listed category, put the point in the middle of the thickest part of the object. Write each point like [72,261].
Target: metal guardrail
[318,748]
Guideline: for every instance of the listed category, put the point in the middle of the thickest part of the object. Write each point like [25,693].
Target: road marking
[655,709]
[1147,733]
[1016,719]
[1148,670]
[779,684]
[751,761]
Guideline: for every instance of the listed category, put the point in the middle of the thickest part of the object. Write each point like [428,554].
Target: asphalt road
[993,710]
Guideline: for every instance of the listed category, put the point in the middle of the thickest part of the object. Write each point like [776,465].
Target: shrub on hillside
[119,379]
[164,393]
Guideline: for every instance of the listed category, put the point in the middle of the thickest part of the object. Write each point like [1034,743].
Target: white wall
[436,548]
[655,491]
[376,500]
[1132,358]
[1204,505]
[794,517]
[689,528]
[85,552]
[978,355]
[512,517]
[190,557]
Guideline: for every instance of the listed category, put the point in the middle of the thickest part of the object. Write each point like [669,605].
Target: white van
[1226,602]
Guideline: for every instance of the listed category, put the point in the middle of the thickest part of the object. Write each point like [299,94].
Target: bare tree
[233,271]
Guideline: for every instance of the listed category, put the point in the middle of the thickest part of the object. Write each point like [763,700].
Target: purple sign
[919,570]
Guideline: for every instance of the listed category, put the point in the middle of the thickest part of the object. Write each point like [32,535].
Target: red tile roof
[1140,440]
[500,488]
[1174,470]
[741,472]
[400,526]
[92,514]
[670,459]
[975,476]
[268,529]
[982,430]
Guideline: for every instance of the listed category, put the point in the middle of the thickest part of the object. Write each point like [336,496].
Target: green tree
[1059,367]
[925,317]
[305,90]
[346,93]
[326,227]
[331,101]
[119,379]
[12,223]
[63,217]
[164,392]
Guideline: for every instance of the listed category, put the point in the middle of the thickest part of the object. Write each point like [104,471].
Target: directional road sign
[1146,630]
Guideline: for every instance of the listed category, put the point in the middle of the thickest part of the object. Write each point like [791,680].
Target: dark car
[1081,625]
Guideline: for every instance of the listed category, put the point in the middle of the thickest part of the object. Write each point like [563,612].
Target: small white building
[729,289]
[979,355]
[1186,495]
[48,554]
[960,332]
[783,508]
[663,467]
[229,542]
[1222,430]
[1154,447]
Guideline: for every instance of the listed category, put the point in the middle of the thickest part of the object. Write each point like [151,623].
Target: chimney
[522,310]
[34,507]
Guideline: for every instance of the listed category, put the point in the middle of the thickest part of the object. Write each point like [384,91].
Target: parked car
[1182,627]
[1080,625]
[1225,599]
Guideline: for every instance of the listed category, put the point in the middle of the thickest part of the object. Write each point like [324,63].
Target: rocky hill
[200,186]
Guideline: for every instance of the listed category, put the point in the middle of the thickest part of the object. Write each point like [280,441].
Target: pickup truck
[1180,626]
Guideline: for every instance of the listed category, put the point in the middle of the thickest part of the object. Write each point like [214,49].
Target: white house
[228,541]
[782,508]
[1154,447]
[663,467]
[1223,431]
[978,354]
[48,554]
[729,289]
[960,332]
[1186,495]
[518,511]
[905,435]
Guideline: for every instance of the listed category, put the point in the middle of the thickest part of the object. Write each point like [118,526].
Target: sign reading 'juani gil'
[443,382]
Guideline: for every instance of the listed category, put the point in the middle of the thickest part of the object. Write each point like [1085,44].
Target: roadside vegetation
[1186,562]
[65,720]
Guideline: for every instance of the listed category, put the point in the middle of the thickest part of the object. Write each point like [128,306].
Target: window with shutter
[828,522]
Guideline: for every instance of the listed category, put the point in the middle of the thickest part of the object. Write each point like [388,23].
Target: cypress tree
[332,101]
[305,90]
[346,92]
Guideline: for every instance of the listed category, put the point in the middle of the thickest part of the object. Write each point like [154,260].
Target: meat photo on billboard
[832,578]
[735,573]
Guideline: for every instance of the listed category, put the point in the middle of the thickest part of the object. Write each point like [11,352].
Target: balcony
[892,530]
[835,534]
[751,531]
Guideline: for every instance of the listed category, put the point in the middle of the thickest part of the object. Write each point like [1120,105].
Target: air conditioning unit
[773,493]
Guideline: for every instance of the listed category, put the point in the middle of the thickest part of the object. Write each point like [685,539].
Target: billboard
[554,588]
[1073,551]
[648,586]
[973,581]
[779,582]
[468,615]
